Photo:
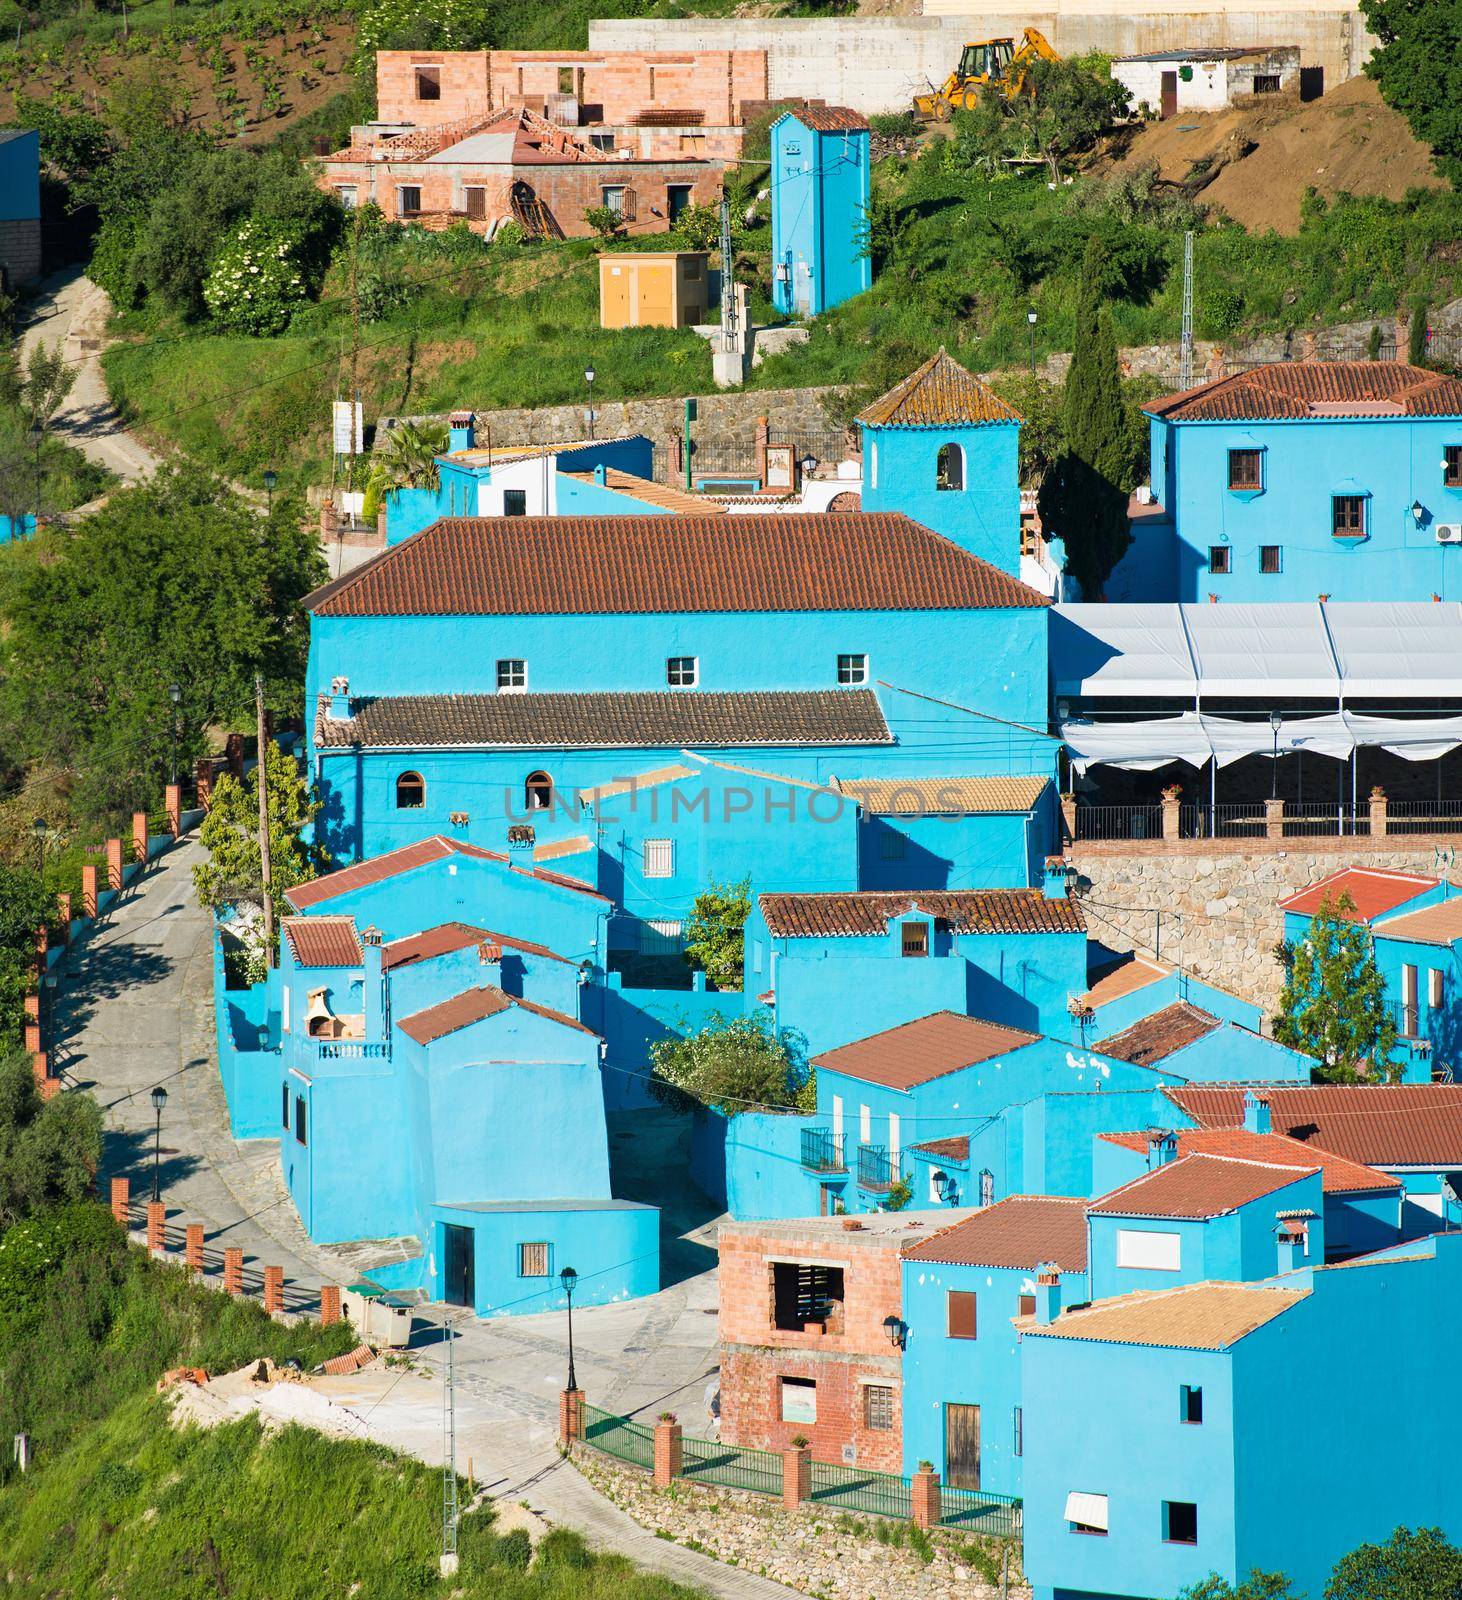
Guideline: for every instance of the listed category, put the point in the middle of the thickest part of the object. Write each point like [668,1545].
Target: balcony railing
[821,1151]
[1262,819]
[876,1170]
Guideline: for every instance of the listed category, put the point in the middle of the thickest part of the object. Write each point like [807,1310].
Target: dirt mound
[1271,153]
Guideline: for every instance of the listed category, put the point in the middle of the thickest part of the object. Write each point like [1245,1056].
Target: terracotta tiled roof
[450,936]
[1197,1186]
[640,780]
[660,564]
[1379,1125]
[1372,890]
[927,1048]
[1302,389]
[946,1149]
[829,119]
[502,455]
[666,495]
[1201,1316]
[1162,1034]
[407,859]
[1337,1174]
[1126,977]
[1025,1231]
[557,849]
[611,721]
[1438,924]
[323,941]
[934,797]
[939,393]
[437,1021]
[867,913]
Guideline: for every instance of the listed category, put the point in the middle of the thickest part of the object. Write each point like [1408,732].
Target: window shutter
[961,1314]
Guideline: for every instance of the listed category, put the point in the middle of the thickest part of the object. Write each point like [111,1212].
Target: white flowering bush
[256,280]
[28,1252]
[424,25]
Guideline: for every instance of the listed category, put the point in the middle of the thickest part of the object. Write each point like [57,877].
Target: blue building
[1222,1427]
[20,207]
[1201,1047]
[943,448]
[1292,481]
[820,195]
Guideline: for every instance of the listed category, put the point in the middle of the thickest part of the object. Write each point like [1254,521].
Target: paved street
[134,1009]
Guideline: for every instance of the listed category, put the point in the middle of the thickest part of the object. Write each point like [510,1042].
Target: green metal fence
[734,1466]
[973,1512]
[854,1489]
[618,1436]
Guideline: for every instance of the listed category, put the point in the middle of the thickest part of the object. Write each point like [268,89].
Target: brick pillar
[40,1066]
[273,1289]
[139,836]
[114,863]
[925,1486]
[234,753]
[1274,819]
[233,1270]
[1380,823]
[1171,810]
[570,1415]
[668,1452]
[43,944]
[175,808]
[33,1036]
[193,1247]
[63,916]
[157,1215]
[31,1005]
[329,1304]
[203,782]
[796,1475]
[1068,818]
[122,1199]
[763,439]
[88,889]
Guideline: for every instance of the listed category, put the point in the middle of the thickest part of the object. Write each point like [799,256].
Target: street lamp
[38,828]
[1030,319]
[159,1100]
[895,1328]
[568,1278]
[1275,721]
[271,477]
[589,384]
[175,694]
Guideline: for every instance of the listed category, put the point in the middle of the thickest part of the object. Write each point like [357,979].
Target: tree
[1084,496]
[714,935]
[25,906]
[1257,1586]
[1333,1005]
[1418,69]
[233,875]
[49,1149]
[1042,424]
[1420,1565]
[733,1064]
[1065,106]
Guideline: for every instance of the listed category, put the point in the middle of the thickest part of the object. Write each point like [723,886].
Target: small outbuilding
[1170,81]
[820,198]
[653,288]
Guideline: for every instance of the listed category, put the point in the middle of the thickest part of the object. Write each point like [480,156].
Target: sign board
[779,466]
[340,426]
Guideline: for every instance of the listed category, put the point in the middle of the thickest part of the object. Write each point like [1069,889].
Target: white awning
[1273,653]
[1090,1510]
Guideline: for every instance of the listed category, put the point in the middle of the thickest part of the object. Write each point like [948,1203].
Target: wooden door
[457,1264]
[961,1446]
[1169,95]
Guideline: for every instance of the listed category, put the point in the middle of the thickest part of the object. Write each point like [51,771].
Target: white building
[1168,82]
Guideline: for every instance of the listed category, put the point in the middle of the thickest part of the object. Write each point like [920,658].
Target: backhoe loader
[985,63]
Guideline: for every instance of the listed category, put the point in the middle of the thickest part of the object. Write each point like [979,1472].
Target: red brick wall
[872,1288]
[464,80]
[751,1404]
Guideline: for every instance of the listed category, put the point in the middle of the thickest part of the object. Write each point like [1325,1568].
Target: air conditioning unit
[1449,533]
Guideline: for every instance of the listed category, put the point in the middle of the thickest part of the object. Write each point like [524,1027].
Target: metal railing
[1119,822]
[618,1436]
[875,1169]
[821,1151]
[732,1466]
[1317,819]
[855,1489]
[974,1511]
[1423,816]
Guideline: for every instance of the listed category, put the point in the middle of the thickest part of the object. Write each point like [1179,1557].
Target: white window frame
[857,661]
[352,190]
[675,672]
[1150,1249]
[658,858]
[510,668]
[865,1125]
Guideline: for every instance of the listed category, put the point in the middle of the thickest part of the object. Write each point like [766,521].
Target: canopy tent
[1272,653]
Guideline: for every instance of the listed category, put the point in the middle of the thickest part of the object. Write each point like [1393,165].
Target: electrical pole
[1185,348]
[262,777]
[355,342]
[730,311]
[450,1511]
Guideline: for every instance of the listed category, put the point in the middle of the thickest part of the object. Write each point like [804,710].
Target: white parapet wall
[879,63]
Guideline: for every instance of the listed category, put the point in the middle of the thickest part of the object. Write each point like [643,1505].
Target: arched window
[537,791]
[950,472]
[410,791]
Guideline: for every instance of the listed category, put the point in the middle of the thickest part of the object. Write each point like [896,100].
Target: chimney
[1256,1113]
[1055,878]
[1048,1294]
[339,700]
[372,985]
[1162,1147]
[1293,1237]
[461,430]
[601,475]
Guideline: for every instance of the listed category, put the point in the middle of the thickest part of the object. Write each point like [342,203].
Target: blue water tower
[820,193]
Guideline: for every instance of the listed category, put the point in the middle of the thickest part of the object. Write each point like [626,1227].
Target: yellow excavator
[983,64]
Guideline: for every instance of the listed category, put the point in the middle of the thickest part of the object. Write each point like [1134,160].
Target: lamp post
[1030,322]
[568,1278]
[807,466]
[895,1328]
[589,385]
[159,1100]
[39,829]
[175,694]
[271,477]
[1275,720]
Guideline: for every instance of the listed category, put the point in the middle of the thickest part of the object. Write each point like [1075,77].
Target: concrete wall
[879,63]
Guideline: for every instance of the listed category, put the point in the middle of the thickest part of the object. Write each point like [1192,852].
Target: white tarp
[1133,650]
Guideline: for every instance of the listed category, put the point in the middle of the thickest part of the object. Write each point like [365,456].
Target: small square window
[682,672]
[613,199]
[428,83]
[512,675]
[852,669]
[1244,469]
[1190,1403]
[915,939]
[602,141]
[878,1408]
[659,858]
[299,1119]
[349,195]
[533,1260]
[962,1313]
[1219,557]
[1452,466]
[515,502]
[1269,555]
[891,846]
[1180,1522]
[1348,515]
[1266,83]
[408,201]
[1026,1306]
[799,1400]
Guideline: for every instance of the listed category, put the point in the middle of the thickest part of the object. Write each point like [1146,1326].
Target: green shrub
[256,281]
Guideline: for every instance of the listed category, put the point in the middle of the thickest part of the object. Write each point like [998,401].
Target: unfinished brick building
[811,1333]
[511,164]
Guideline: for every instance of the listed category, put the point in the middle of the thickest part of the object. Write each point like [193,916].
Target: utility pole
[355,341]
[262,773]
[1185,348]
[730,311]
[450,1511]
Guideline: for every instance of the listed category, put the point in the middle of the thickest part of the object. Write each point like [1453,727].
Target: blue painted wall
[20,175]
[820,194]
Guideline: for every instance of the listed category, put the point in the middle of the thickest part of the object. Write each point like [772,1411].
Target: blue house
[943,448]
[1125,987]
[1205,1429]
[1298,480]
[820,196]
[1201,1047]
[20,207]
